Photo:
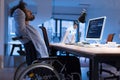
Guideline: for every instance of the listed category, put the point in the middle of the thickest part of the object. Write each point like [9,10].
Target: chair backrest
[110,37]
[45,36]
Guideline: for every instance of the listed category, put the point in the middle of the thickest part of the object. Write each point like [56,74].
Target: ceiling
[65,5]
[69,3]
[69,6]
[64,9]
[84,3]
[74,7]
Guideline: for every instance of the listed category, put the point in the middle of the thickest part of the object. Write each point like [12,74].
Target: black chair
[112,75]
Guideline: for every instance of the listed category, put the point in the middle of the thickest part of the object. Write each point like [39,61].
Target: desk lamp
[82,20]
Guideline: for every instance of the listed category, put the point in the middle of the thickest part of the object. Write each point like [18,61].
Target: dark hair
[21,6]
[75,23]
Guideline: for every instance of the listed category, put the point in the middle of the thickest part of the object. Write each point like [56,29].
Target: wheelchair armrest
[17,38]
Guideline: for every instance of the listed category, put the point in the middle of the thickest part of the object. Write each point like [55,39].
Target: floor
[8,73]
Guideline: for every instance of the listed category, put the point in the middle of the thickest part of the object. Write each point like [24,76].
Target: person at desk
[70,34]
[34,44]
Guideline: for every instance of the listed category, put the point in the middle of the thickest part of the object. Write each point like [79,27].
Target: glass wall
[57,28]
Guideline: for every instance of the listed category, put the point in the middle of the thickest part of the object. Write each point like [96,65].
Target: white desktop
[95,28]
[94,31]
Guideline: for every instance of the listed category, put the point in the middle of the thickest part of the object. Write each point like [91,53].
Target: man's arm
[19,17]
[65,37]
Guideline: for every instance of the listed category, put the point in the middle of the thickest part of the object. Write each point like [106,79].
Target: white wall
[1,27]
[1,30]
[44,11]
[112,11]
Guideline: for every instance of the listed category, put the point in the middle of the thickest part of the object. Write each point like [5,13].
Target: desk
[95,54]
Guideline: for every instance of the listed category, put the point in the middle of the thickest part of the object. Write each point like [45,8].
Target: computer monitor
[95,28]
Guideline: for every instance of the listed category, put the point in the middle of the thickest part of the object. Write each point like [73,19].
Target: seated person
[34,44]
[70,34]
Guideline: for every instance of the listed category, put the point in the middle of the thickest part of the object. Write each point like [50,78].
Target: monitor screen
[95,28]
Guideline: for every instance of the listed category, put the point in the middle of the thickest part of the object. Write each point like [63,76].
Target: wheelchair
[45,69]
[38,70]
[52,68]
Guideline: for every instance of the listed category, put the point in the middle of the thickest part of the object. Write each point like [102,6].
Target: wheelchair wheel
[19,70]
[39,71]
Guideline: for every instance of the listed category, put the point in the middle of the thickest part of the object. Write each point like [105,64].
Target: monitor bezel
[97,39]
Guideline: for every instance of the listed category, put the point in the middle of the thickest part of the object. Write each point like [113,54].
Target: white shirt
[29,32]
[69,36]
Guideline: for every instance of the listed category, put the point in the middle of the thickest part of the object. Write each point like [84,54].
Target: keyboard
[86,44]
[70,43]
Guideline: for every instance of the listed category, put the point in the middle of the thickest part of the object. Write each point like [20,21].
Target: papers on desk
[84,44]
[112,44]
[70,43]
[93,45]
[89,45]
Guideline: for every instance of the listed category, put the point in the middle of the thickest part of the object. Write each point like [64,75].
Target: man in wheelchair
[35,47]
[33,42]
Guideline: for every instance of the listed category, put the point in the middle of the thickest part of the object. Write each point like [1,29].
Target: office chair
[110,37]
[113,75]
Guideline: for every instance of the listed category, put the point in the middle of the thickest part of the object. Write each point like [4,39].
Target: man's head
[29,15]
[22,6]
[75,25]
